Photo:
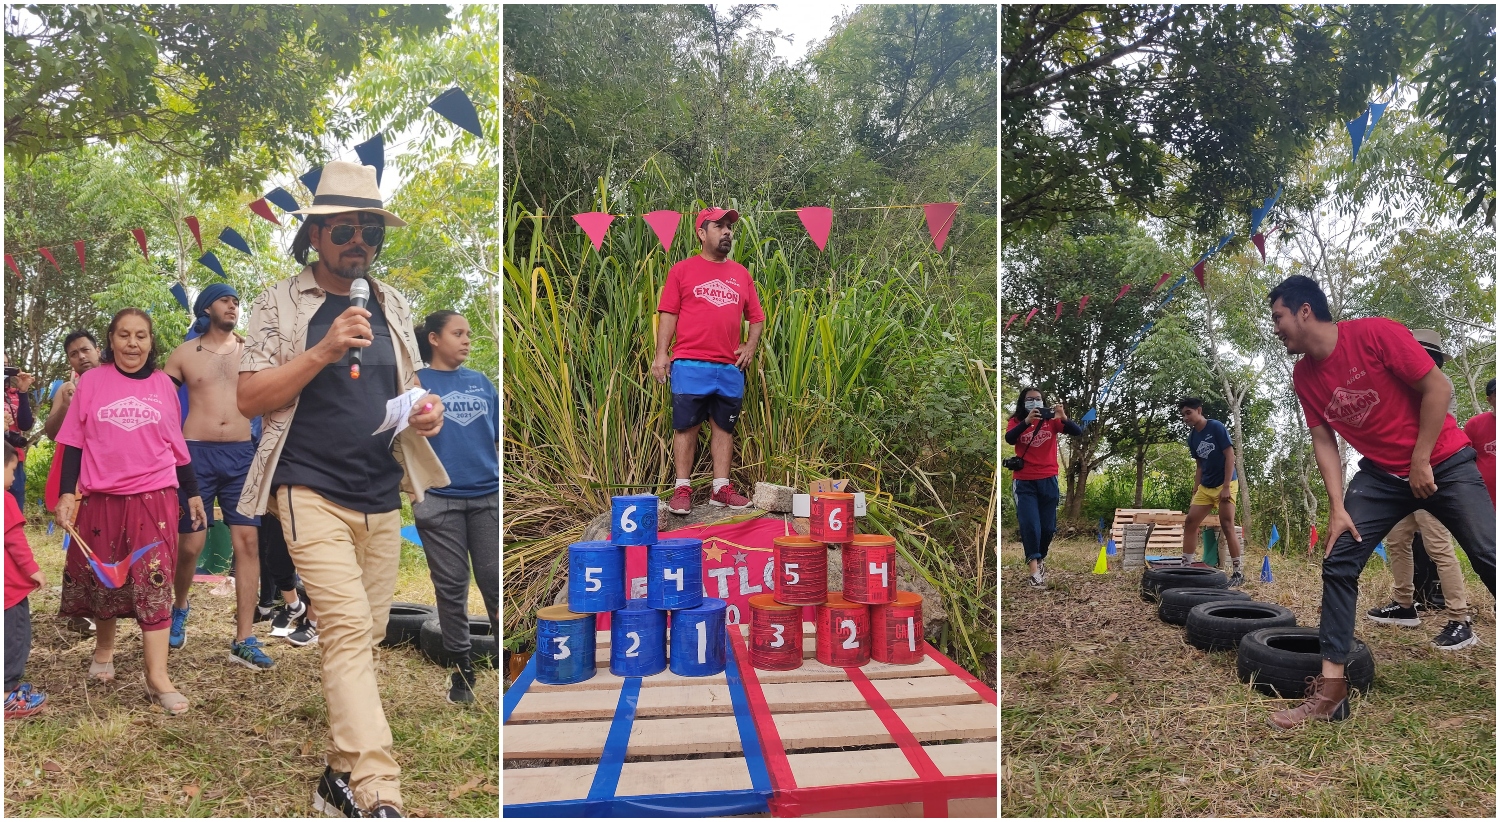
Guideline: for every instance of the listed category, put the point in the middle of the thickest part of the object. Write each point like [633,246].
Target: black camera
[1013,464]
[1046,412]
[16,439]
[11,371]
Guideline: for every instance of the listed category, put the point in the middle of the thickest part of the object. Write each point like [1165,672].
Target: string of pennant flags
[816,220]
[452,105]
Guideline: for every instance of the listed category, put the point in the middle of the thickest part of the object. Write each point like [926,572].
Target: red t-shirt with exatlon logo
[710,299]
[1037,447]
[1361,391]
[1481,432]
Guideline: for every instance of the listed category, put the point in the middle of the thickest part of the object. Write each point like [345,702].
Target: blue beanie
[206,298]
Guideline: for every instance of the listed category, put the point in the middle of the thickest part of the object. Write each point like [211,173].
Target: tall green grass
[875,364]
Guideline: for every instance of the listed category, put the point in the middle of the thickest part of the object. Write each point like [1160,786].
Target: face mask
[1033,405]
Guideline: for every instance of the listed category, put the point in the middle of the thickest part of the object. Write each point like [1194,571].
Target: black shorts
[690,410]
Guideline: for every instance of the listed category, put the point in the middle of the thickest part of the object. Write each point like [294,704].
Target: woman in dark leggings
[1034,432]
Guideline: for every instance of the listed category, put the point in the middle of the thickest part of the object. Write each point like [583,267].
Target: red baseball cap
[716,214]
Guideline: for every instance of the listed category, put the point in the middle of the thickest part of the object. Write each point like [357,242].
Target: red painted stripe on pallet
[831,798]
[916,756]
[969,679]
[771,748]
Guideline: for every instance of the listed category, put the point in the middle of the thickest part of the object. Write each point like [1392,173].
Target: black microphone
[359,295]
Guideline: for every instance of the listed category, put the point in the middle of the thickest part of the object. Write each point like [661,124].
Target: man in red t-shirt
[1370,381]
[1481,432]
[703,303]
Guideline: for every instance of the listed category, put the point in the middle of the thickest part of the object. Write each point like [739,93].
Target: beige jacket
[279,318]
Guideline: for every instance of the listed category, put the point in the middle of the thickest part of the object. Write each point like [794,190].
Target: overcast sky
[805,21]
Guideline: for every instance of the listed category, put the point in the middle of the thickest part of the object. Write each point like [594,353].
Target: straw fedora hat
[346,187]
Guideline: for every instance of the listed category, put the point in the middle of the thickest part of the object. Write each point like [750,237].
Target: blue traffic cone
[1265,569]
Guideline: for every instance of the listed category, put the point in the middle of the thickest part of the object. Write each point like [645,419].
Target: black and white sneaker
[1455,636]
[306,634]
[1237,579]
[263,613]
[1036,580]
[285,616]
[1395,614]
[333,796]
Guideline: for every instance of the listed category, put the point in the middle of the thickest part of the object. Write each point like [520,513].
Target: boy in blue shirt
[460,522]
[1213,450]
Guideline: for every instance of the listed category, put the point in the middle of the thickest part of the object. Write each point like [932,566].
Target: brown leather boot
[1327,699]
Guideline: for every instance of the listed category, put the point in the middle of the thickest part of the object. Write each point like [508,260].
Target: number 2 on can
[848,625]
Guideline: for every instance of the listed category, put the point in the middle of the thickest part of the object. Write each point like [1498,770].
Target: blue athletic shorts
[703,390]
[221,468]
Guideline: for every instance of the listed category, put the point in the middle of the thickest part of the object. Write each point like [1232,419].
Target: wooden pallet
[934,707]
[1166,537]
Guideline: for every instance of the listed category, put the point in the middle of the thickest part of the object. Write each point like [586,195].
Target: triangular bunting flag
[1380,549]
[1124,288]
[1257,215]
[456,107]
[78,247]
[1058,315]
[817,220]
[140,240]
[11,261]
[1223,241]
[1081,303]
[1357,128]
[1260,245]
[1265,569]
[311,178]
[263,209]
[1093,414]
[192,224]
[232,238]
[211,262]
[181,294]
[283,200]
[1029,315]
[372,153]
[594,224]
[1312,541]
[1011,320]
[939,220]
[1377,110]
[1199,271]
[665,224]
[1160,281]
[1275,538]
[52,389]
[48,254]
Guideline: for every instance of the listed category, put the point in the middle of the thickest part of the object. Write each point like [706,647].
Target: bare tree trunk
[1140,473]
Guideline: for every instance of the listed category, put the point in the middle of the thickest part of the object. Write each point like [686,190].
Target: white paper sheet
[398,411]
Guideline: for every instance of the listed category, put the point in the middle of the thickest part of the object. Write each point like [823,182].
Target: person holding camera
[18,422]
[1033,429]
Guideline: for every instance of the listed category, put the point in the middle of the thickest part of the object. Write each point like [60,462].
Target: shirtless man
[218,438]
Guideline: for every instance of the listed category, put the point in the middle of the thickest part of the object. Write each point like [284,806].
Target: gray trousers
[457,533]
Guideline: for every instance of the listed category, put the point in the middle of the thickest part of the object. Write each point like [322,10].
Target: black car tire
[404,627]
[1279,661]
[1176,602]
[1218,626]
[1156,580]
[482,646]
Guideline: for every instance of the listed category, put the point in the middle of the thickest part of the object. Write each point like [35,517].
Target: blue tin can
[674,574]
[698,639]
[632,519]
[638,640]
[564,646]
[596,577]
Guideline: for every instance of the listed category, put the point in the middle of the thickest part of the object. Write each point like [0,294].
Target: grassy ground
[1106,711]
[252,745]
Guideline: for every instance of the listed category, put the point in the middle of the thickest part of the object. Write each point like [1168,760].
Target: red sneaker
[725,497]
[682,500]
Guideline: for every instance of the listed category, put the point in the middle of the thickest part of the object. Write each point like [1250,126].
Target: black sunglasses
[373,235]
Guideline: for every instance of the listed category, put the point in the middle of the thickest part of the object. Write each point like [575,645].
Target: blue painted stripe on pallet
[607,777]
[518,688]
[667,805]
[749,739]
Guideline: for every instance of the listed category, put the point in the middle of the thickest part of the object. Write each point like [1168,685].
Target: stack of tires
[416,624]
[1274,655]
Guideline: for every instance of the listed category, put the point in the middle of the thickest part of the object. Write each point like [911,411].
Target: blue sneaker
[177,637]
[251,655]
[23,701]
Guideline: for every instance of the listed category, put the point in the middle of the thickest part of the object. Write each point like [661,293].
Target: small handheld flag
[1109,548]
[1380,549]
[1275,538]
[1312,542]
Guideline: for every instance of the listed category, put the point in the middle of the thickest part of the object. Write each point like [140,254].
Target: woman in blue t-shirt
[460,522]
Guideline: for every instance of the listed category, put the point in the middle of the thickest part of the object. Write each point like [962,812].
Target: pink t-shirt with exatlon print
[1362,390]
[130,432]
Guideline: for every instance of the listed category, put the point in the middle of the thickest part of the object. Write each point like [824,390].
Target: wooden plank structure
[761,740]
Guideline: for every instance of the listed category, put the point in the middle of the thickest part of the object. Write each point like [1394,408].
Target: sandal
[174,703]
[102,671]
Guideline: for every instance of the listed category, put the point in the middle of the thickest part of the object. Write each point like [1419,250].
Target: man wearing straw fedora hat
[334,487]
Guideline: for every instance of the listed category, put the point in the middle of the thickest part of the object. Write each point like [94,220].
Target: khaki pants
[348,562]
[1439,545]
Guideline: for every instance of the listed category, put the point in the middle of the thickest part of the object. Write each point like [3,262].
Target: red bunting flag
[1081,303]
[140,240]
[594,224]
[1260,245]
[819,219]
[192,224]
[1124,288]
[263,208]
[1029,315]
[1312,542]
[664,223]
[78,247]
[939,220]
[1160,281]
[48,254]
[1058,315]
[1011,320]
[1200,272]
[11,261]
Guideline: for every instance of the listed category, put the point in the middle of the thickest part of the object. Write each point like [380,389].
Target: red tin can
[870,569]
[831,518]
[896,630]
[775,634]
[801,571]
[843,632]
